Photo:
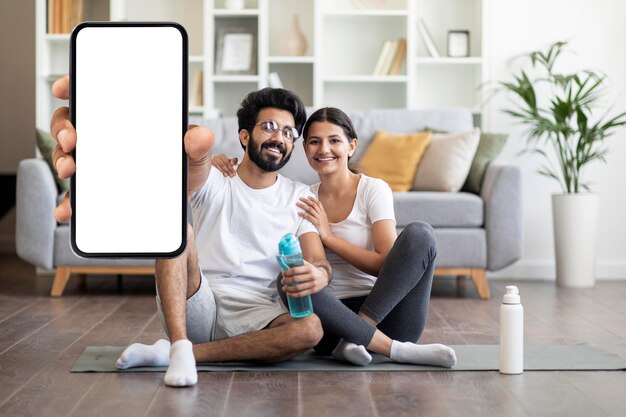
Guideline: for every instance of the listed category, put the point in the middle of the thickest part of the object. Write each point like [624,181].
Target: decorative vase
[575,219]
[295,43]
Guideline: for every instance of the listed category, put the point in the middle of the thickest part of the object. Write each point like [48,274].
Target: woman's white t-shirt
[373,202]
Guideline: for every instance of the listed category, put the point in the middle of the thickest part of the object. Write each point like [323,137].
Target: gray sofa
[475,233]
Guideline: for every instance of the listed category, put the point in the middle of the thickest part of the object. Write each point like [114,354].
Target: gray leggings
[398,301]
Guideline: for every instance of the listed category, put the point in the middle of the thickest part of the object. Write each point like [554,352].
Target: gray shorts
[238,313]
[201,315]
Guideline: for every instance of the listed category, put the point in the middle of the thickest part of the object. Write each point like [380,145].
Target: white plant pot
[575,219]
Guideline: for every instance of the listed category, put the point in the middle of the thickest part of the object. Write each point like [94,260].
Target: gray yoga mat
[470,358]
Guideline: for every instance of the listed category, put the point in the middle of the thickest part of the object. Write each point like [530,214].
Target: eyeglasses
[270,128]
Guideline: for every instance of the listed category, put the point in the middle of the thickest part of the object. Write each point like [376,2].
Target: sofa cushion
[461,246]
[439,209]
[447,161]
[489,147]
[394,157]
[366,124]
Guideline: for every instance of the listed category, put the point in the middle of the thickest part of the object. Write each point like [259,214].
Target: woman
[384,278]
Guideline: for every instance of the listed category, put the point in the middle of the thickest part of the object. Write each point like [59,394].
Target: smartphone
[128,103]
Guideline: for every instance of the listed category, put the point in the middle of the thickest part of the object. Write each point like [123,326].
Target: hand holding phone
[198,143]
[63,131]
[128,104]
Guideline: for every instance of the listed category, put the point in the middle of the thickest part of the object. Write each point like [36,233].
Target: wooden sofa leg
[480,282]
[60,280]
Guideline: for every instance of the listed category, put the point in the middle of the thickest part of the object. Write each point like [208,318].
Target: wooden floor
[41,338]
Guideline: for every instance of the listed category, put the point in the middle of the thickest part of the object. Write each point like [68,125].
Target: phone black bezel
[72,107]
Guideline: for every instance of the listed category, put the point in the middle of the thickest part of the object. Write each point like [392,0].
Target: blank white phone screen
[129,189]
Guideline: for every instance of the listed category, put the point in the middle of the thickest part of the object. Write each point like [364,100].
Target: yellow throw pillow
[394,158]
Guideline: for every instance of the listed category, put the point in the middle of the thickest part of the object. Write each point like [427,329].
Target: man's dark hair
[278,98]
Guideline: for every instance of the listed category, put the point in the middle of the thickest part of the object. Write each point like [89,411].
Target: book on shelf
[274,81]
[63,15]
[384,58]
[398,57]
[381,57]
[427,39]
[389,58]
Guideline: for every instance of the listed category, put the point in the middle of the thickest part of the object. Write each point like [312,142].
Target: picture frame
[458,43]
[236,51]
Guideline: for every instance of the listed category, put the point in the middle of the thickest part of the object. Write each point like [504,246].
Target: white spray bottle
[511,332]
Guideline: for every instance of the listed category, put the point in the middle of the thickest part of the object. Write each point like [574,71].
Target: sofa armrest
[36,197]
[502,194]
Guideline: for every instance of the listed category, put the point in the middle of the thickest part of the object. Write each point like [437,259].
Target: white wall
[597,34]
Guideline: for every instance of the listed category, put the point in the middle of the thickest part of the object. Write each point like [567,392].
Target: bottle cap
[511,296]
[289,245]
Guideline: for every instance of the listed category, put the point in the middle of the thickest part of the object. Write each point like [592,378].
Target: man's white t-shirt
[237,230]
[373,202]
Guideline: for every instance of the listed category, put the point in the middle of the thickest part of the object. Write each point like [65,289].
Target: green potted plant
[561,113]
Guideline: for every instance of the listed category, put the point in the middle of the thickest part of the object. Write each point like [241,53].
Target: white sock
[435,354]
[182,369]
[139,354]
[349,352]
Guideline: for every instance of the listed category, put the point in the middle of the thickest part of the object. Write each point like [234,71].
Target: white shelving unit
[446,81]
[344,40]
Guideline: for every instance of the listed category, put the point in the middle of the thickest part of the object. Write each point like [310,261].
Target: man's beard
[270,163]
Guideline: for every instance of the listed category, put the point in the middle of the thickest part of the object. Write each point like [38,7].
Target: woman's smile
[325,158]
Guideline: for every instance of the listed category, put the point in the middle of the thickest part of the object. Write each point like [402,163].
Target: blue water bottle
[290,255]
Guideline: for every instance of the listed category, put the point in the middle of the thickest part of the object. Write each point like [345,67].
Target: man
[218,300]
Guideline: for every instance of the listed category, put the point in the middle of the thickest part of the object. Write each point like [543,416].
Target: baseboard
[611,270]
[545,270]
